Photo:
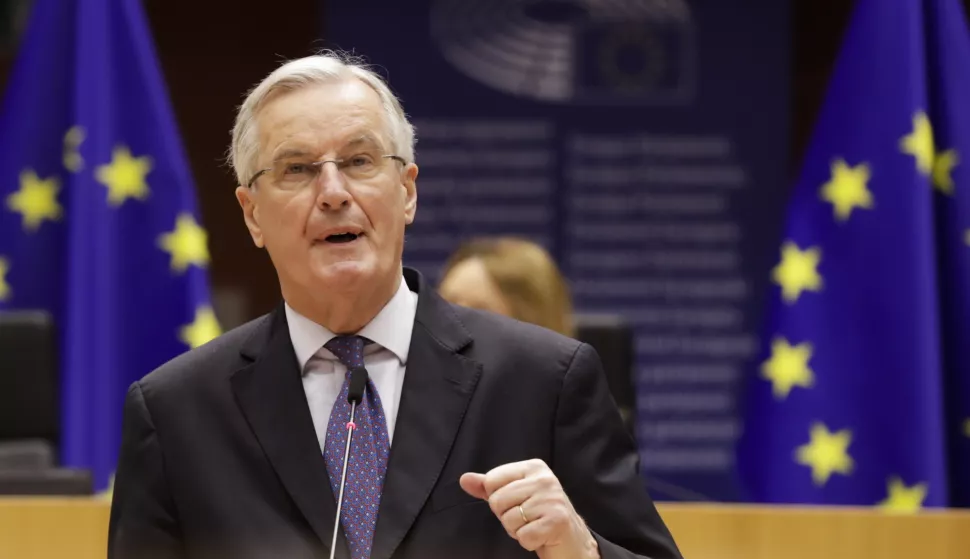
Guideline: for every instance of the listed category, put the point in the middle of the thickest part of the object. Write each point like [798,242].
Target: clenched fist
[533,508]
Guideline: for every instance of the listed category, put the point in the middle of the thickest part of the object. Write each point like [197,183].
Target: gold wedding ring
[525,518]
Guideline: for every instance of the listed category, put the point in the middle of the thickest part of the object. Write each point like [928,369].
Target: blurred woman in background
[518,278]
[509,276]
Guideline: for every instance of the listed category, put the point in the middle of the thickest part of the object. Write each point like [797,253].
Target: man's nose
[332,190]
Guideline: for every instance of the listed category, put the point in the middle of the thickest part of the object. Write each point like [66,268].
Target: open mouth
[340,238]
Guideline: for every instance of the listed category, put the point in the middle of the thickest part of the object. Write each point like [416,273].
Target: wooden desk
[755,532]
[49,528]
[76,529]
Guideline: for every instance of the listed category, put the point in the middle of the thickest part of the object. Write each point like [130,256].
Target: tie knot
[348,349]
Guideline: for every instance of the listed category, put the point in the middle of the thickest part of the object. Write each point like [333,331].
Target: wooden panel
[49,528]
[749,532]
[77,528]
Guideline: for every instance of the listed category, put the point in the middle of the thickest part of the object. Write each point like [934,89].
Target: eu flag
[98,218]
[949,53]
[865,362]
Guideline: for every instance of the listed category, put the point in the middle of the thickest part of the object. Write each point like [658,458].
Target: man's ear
[250,214]
[410,185]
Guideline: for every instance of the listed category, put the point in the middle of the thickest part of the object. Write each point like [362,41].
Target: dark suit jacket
[219,458]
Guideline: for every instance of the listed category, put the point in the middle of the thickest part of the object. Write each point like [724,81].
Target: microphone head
[358,381]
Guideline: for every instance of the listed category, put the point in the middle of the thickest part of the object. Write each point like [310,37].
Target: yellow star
[36,200]
[966,424]
[943,170]
[797,271]
[919,143]
[186,243]
[5,290]
[826,453]
[204,328]
[847,189]
[125,176]
[788,367]
[903,499]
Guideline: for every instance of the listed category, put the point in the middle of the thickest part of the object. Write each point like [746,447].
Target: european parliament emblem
[597,52]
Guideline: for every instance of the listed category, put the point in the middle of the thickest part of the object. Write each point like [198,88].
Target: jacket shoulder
[494,334]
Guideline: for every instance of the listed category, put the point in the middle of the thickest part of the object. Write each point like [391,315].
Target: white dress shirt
[385,359]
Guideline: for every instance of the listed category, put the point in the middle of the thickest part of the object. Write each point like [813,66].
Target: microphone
[355,393]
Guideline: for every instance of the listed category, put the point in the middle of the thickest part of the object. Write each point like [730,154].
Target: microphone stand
[355,393]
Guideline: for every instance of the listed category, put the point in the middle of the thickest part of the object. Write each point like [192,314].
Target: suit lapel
[438,385]
[270,394]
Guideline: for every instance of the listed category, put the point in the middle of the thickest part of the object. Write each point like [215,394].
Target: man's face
[330,227]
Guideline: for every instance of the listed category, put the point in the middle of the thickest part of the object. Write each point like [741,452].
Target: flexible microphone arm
[355,393]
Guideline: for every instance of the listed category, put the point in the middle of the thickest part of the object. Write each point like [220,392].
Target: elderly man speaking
[475,436]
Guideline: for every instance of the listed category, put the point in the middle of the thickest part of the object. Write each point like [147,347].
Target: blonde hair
[527,277]
[327,67]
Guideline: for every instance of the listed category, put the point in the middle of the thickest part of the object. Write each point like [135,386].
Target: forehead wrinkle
[357,113]
[360,139]
[366,138]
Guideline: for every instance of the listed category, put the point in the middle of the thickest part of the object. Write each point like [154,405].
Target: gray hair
[326,67]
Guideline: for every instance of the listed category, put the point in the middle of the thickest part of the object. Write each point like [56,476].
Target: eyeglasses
[297,173]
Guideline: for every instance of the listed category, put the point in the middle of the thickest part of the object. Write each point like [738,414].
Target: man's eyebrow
[290,153]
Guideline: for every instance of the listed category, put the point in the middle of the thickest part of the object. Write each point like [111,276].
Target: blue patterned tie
[369,450]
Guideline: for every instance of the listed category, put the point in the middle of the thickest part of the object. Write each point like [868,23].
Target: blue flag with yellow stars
[98,219]
[867,322]
[949,127]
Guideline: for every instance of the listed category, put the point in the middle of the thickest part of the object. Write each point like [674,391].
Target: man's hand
[530,503]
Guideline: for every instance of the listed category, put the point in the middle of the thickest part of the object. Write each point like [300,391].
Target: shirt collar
[391,328]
